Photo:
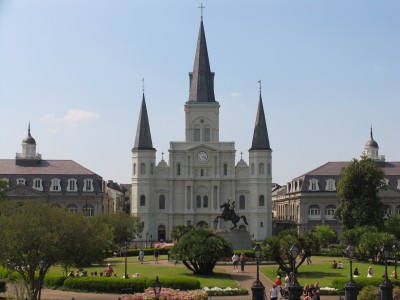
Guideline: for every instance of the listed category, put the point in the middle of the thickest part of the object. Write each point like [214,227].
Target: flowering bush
[216,291]
[328,291]
[167,294]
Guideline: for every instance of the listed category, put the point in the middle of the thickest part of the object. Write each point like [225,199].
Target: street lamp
[126,260]
[157,288]
[42,265]
[295,290]
[351,289]
[258,288]
[386,288]
[147,235]
[395,250]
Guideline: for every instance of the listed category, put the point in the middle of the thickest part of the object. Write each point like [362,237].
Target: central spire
[201,79]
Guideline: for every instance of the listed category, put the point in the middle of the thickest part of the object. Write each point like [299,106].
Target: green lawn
[220,278]
[320,271]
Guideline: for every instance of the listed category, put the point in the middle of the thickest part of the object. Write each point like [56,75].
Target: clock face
[202,156]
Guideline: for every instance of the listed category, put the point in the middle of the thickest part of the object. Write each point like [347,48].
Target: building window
[314,212]
[197,134]
[242,202]
[252,169]
[261,224]
[206,134]
[142,169]
[330,185]
[261,169]
[142,200]
[21,181]
[388,210]
[205,202]
[178,169]
[202,172]
[198,202]
[161,233]
[313,185]
[225,169]
[72,208]
[398,210]
[88,185]
[88,210]
[37,184]
[72,186]
[261,200]
[330,212]
[55,185]
[269,169]
[134,169]
[151,169]
[188,223]
[398,184]
[161,202]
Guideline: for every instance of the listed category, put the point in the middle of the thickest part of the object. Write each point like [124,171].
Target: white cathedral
[201,173]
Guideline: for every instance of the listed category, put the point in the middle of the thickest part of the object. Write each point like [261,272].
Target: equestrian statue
[229,214]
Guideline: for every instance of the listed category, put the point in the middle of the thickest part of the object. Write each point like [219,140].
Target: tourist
[242,261]
[278,283]
[273,292]
[334,265]
[287,280]
[370,272]
[340,266]
[109,270]
[156,255]
[305,289]
[315,295]
[317,288]
[235,261]
[141,256]
[308,296]
[136,275]
[356,272]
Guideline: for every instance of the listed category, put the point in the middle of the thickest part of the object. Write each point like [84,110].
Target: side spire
[201,79]
[143,135]
[260,136]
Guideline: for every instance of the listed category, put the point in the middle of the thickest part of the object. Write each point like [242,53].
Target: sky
[330,69]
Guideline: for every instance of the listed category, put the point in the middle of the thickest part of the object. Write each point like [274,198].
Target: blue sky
[74,69]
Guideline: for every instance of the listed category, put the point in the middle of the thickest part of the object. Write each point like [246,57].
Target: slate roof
[143,134]
[260,136]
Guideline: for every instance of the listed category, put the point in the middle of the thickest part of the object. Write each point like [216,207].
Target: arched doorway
[161,233]
[202,224]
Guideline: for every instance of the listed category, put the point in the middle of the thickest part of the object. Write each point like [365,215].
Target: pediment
[389,192]
[202,147]
[21,190]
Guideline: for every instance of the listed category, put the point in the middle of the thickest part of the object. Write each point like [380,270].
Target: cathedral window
[72,208]
[205,202]
[198,202]
[330,185]
[242,202]
[37,184]
[134,169]
[197,134]
[313,185]
[261,200]
[178,169]
[225,169]
[314,212]
[252,169]
[261,169]
[261,224]
[88,210]
[188,223]
[269,169]
[151,169]
[142,169]
[206,134]
[202,172]
[21,181]
[161,202]
[72,186]
[88,185]
[142,200]
[55,185]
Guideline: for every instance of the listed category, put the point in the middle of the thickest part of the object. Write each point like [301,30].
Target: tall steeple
[260,136]
[201,79]
[143,135]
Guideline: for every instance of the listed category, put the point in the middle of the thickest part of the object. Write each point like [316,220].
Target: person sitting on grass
[370,272]
[356,272]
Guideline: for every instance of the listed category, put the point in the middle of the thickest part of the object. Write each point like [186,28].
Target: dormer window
[398,184]
[313,185]
[21,181]
[72,186]
[55,185]
[37,184]
[330,185]
[386,181]
[88,185]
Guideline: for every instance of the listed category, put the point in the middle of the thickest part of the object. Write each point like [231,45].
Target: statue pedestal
[240,239]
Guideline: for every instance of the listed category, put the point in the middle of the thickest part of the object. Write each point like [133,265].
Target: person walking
[141,256]
[235,261]
[156,255]
[242,261]
[273,293]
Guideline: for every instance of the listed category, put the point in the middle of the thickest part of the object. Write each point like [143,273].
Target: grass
[320,271]
[220,278]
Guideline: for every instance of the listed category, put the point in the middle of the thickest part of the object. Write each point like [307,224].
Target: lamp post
[41,267]
[147,235]
[258,288]
[386,288]
[126,260]
[157,288]
[395,250]
[351,289]
[295,290]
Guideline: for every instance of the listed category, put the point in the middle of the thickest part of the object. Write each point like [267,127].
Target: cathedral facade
[201,173]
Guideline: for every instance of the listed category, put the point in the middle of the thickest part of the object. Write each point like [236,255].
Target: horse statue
[229,214]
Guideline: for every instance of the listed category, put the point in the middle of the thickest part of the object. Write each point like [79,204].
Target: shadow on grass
[313,274]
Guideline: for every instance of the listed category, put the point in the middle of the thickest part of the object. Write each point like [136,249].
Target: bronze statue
[229,214]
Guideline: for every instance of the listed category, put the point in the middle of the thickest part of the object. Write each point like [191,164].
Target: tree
[371,243]
[199,249]
[392,225]
[36,232]
[324,234]
[358,189]
[179,230]
[3,186]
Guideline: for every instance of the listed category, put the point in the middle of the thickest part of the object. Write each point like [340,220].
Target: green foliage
[392,226]
[4,184]
[325,234]
[179,230]
[358,188]
[3,286]
[362,282]
[396,293]
[199,250]
[54,281]
[369,292]
[137,285]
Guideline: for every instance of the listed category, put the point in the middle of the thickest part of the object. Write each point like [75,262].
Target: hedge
[339,283]
[55,281]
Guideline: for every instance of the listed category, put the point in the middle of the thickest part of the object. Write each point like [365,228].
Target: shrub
[339,283]
[167,294]
[369,292]
[2,286]
[396,293]
[216,291]
[53,281]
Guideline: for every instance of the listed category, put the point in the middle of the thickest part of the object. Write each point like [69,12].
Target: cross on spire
[260,85]
[241,155]
[143,85]
[201,8]
[162,155]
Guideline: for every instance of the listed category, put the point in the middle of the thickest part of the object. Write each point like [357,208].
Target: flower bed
[167,294]
[216,291]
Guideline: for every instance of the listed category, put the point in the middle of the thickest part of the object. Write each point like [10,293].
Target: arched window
[314,212]
[72,208]
[161,202]
[88,210]
[202,172]
[198,202]
[242,227]
[197,134]
[151,169]
[207,134]
[388,210]
[269,169]
[142,200]
[242,202]
[261,201]
[202,224]
[161,233]
[330,212]
[225,169]
[261,168]
[134,169]
[142,169]
[252,169]
[205,202]
[178,169]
